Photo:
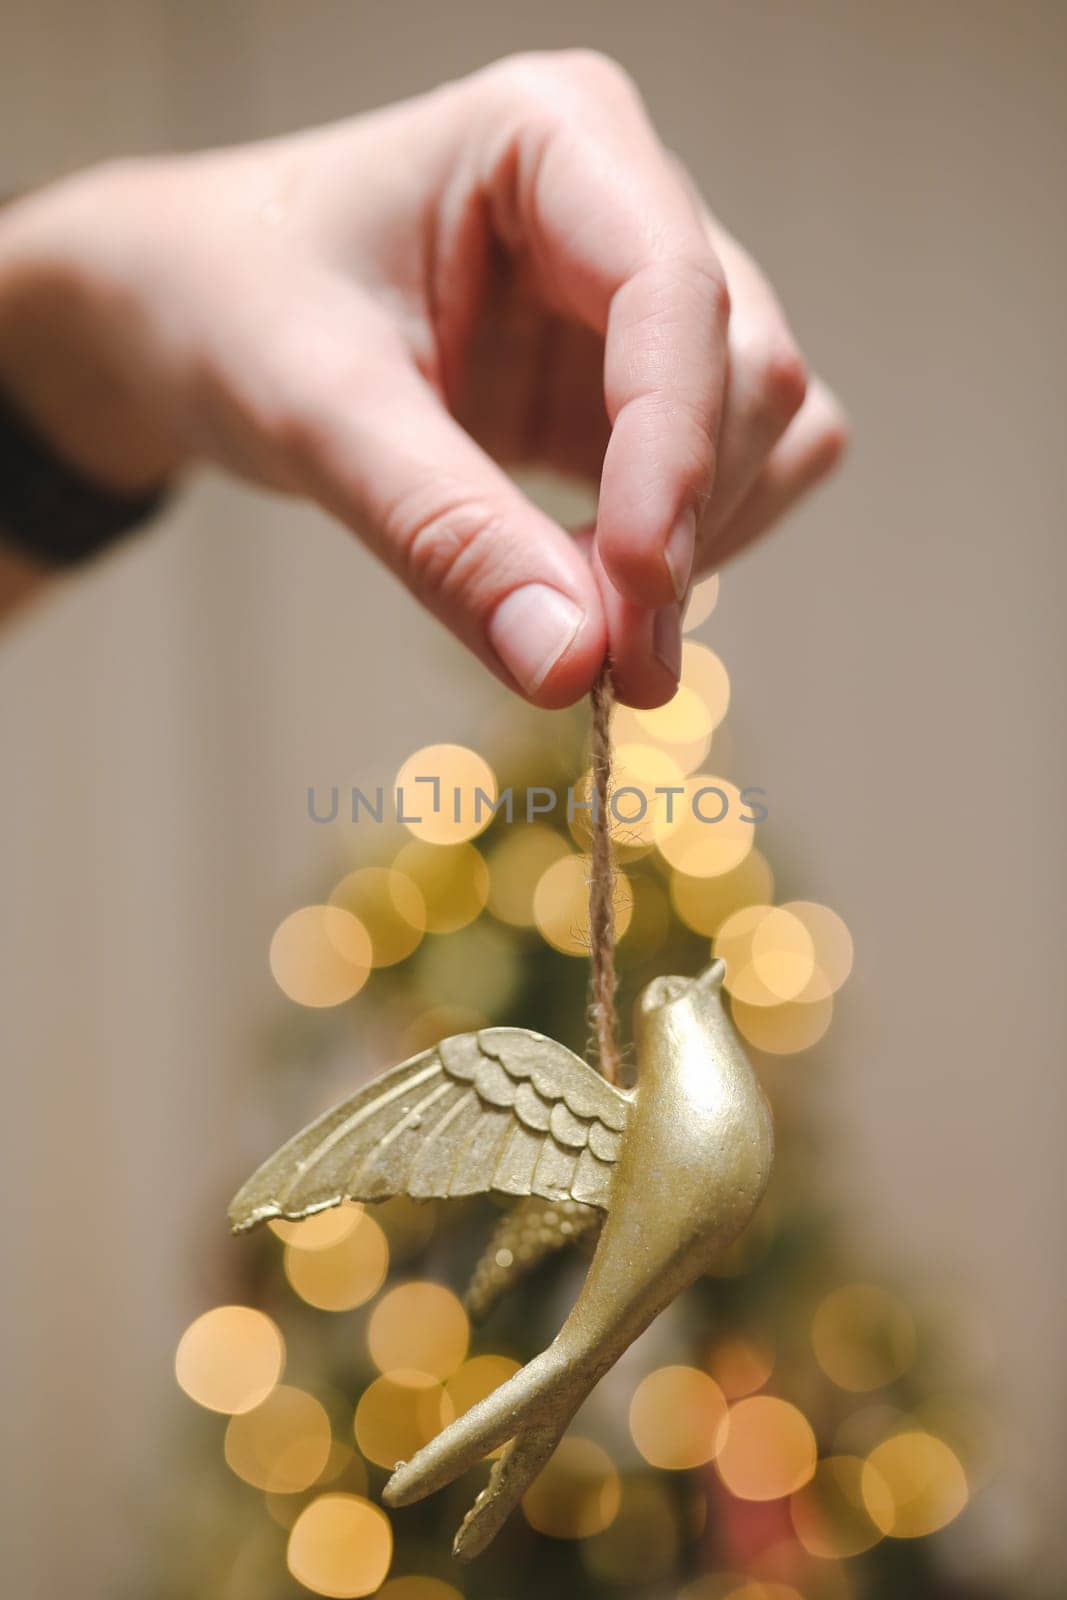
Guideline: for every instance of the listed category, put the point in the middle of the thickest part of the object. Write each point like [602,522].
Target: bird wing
[503,1109]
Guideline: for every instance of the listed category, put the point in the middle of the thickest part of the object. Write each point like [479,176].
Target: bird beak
[712,976]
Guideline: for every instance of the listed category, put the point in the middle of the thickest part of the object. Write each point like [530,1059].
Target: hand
[383,314]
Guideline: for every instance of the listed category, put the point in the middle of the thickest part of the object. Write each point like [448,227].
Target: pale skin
[383,315]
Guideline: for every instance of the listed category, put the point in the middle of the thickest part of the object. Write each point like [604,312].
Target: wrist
[69,331]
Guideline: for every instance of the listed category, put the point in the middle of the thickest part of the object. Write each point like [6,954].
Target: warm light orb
[704,904]
[832,946]
[687,754]
[561,905]
[320,1231]
[704,674]
[515,866]
[230,1358]
[418,1588]
[452,879]
[445,793]
[685,719]
[398,1414]
[863,1337]
[706,832]
[740,1366]
[783,955]
[419,1326]
[769,955]
[281,1445]
[320,956]
[675,1417]
[341,1546]
[702,602]
[390,907]
[782,1030]
[767,1449]
[829,1515]
[342,1275]
[913,1484]
[577,1494]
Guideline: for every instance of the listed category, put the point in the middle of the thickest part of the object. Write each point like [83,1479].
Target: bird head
[666,997]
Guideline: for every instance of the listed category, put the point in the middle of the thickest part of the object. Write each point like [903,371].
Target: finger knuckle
[447,550]
[600,73]
[561,82]
[833,438]
[782,379]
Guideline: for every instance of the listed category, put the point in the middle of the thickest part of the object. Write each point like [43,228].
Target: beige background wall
[896,658]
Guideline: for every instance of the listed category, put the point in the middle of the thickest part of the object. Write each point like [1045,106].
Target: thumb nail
[531,629]
[678,551]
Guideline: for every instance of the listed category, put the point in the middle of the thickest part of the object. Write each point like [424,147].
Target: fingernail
[531,629]
[667,639]
[678,551]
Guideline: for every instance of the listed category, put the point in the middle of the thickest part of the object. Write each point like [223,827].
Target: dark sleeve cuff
[48,509]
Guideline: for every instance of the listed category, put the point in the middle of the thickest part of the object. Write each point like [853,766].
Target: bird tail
[532,1410]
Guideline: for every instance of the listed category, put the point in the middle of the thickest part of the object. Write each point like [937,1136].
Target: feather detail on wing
[503,1109]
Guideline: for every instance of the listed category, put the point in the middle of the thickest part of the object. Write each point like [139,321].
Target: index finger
[584,187]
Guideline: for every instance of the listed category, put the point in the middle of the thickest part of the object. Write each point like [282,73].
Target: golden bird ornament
[672,1169]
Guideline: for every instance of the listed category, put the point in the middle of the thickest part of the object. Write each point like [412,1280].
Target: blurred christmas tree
[789,1431]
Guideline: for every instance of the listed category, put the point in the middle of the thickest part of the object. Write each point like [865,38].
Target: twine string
[602,981]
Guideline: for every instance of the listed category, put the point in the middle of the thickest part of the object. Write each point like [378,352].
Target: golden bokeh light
[561,905]
[783,1030]
[320,956]
[863,1337]
[704,674]
[913,1484]
[702,602]
[445,794]
[390,907]
[418,1588]
[341,1546]
[452,879]
[577,1494]
[341,1275]
[687,754]
[832,944]
[783,955]
[829,1514]
[640,1548]
[684,720]
[421,1327]
[769,955]
[706,833]
[704,904]
[281,1445]
[320,1231]
[767,1449]
[230,1358]
[398,1414]
[515,867]
[740,1366]
[676,1416]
